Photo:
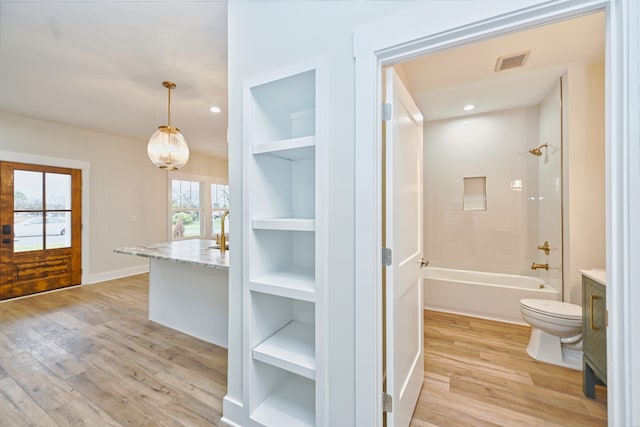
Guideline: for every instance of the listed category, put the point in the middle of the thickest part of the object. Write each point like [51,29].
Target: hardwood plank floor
[89,356]
[478,373]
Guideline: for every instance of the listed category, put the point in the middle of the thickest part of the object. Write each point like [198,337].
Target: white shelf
[285,224]
[290,149]
[284,171]
[293,405]
[292,348]
[295,283]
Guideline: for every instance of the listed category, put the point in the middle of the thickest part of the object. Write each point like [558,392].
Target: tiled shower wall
[503,238]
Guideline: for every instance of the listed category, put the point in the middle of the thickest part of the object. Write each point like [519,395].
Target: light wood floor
[477,373]
[88,356]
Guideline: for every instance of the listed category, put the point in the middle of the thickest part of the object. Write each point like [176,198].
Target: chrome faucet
[535,266]
[223,238]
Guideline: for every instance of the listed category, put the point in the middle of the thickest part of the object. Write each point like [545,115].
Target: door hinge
[386,256]
[386,111]
[387,402]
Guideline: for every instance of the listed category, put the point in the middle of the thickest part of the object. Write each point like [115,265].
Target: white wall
[584,165]
[495,146]
[123,184]
[266,36]
[270,35]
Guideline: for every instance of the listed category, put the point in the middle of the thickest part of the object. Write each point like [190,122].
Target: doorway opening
[483,121]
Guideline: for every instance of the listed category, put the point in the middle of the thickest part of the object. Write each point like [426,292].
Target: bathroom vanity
[188,287]
[594,327]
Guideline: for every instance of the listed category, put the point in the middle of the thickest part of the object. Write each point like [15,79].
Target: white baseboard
[232,412]
[116,274]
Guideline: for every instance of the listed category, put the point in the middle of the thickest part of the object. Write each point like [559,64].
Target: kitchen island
[188,287]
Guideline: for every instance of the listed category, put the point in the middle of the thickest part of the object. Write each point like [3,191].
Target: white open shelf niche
[281,275]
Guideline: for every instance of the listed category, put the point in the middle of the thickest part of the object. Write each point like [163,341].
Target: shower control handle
[423,263]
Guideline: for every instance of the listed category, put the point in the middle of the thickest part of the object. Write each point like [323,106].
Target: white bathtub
[479,294]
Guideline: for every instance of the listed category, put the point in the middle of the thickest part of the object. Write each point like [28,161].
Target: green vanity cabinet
[594,328]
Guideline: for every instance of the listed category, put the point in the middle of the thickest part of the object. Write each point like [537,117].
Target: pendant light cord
[169,109]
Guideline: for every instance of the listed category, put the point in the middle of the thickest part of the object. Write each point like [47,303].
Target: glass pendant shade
[167,148]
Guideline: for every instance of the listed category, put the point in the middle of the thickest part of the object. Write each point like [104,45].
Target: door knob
[423,263]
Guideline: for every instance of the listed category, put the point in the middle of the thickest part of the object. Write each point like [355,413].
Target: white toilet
[556,331]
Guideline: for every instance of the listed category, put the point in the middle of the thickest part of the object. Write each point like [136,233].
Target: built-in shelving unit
[283,284]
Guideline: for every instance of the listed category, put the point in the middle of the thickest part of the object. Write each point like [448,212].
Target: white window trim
[205,202]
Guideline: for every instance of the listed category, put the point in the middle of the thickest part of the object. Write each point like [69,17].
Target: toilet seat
[555,309]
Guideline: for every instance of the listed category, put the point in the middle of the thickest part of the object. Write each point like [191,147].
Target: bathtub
[487,295]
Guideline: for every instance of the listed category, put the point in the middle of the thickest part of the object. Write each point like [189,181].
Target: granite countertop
[196,252]
[596,274]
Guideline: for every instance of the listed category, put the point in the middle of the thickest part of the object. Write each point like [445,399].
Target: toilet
[556,331]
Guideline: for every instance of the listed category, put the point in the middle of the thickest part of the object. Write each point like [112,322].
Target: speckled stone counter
[195,252]
[188,287]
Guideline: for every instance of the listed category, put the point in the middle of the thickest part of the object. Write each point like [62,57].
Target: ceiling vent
[514,60]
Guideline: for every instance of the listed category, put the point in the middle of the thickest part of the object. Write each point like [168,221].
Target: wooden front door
[40,220]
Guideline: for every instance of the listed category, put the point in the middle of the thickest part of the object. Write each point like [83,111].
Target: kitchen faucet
[223,239]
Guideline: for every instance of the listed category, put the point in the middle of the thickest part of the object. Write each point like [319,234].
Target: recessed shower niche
[475,194]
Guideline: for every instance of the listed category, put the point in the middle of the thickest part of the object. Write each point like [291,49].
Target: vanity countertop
[596,274]
[195,251]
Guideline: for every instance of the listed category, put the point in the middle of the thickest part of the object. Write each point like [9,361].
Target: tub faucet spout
[535,266]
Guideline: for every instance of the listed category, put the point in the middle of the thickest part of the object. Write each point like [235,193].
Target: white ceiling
[100,66]
[443,83]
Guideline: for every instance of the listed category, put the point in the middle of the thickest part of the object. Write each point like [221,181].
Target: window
[219,203]
[185,209]
[197,205]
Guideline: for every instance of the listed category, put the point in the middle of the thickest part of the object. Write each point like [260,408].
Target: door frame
[406,37]
[85,167]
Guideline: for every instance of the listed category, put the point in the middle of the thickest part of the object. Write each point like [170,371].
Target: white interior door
[403,235]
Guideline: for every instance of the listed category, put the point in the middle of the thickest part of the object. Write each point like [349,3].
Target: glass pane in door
[28,232]
[27,190]
[58,229]
[58,191]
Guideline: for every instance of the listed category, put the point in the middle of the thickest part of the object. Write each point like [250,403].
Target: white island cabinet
[188,287]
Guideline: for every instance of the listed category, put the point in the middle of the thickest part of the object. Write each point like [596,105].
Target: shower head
[538,150]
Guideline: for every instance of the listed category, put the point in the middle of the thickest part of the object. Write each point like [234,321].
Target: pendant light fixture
[167,148]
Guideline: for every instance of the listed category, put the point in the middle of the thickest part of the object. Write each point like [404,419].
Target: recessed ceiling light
[215,109]
[469,107]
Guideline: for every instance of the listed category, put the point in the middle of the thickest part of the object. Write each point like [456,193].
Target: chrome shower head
[538,150]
